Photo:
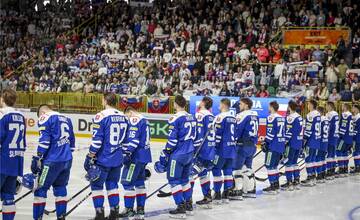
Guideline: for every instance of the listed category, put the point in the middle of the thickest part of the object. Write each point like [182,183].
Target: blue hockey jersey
[324,133]
[12,142]
[205,134]
[356,123]
[182,133]
[294,130]
[346,128]
[333,117]
[56,140]
[225,124]
[109,131]
[247,126]
[312,133]
[275,133]
[138,139]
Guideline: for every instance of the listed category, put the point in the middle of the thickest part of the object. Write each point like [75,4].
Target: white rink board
[330,201]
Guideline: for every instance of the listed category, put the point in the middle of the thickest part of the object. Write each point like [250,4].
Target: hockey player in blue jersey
[294,140]
[333,117]
[176,159]
[225,124]
[136,156]
[312,138]
[324,142]
[346,130]
[12,148]
[205,144]
[356,152]
[104,160]
[246,134]
[274,146]
[53,160]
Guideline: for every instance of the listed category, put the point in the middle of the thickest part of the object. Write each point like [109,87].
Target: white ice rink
[336,200]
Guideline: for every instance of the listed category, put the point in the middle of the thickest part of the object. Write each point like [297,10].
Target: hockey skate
[309,181]
[270,190]
[320,178]
[235,195]
[114,214]
[250,194]
[330,174]
[296,183]
[225,197]
[128,213]
[205,203]
[100,214]
[217,198]
[189,208]
[288,186]
[140,213]
[179,212]
[355,171]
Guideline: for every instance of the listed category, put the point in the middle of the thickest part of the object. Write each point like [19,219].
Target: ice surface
[330,201]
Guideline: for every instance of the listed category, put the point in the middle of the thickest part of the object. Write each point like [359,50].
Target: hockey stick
[73,197]
[78,204]
[21,197]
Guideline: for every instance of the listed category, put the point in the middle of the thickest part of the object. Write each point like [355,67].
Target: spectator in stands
[334,96]
[342,67]
[356,93]
[262,93]
[323,92]
[331,76]
[346,94]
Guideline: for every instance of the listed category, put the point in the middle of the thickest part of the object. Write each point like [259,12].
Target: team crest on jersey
[134,120]
[218,119]
[42,118]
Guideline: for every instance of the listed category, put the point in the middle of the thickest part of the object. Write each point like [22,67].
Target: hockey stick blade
[78,204]
[162,194]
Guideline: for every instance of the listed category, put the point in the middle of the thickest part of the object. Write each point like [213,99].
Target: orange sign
[314,37]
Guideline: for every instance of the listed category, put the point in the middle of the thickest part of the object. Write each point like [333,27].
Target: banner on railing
[259,104]
[135,102]
[158,105]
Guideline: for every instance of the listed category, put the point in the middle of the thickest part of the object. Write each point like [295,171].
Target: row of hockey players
[225,145]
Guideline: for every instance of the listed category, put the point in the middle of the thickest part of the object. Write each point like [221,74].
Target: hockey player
[225,124]
[104,160]
[176,159]
[345,140]
[356,123]
[136,156]
[205,144]
[12,147]
[333,117]
[53,160]
[294,139]
[312,138]
[274,146]
[246,133]
[321,153]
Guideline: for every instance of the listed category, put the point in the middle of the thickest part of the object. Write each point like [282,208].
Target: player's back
[275,133]
[313,129]
[205,134]
[139,136]
[333,117]
[56,139]
[109,131]
[324,133]
[247,128]
[346,127]
[225,124]
[356,122]
[12,141]
[294,130]
[182,132]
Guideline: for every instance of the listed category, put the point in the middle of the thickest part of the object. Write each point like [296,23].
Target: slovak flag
[158,105]
[135,102]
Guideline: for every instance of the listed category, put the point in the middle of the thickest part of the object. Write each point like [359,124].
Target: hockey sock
[60,200]
[272,175]
[296,172]
[228,182]
[192,183]
[218,180]
[8,207]
[129,197]
[187,192]
[177,194]
[357,160]
[289,173]
[38,207]
[140,196]
[205,184]
[98,198]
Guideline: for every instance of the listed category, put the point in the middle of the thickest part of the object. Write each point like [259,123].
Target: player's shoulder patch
[172,119]
[199,116]
[219,118]
[98,117]
[290,119]
[271,118]
[134,120]
[44,118]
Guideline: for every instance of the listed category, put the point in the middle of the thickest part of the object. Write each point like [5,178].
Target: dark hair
[128,109]
[331,105]
[208,102]
[313,103]
[321,110]
[110,99]
[9,97]
[180,101]
[274,105]
[40,107]
[293,105]
[226,102]
[247,102]
[356,106]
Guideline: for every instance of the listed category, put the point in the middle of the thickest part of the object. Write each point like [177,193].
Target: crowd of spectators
[203,47]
